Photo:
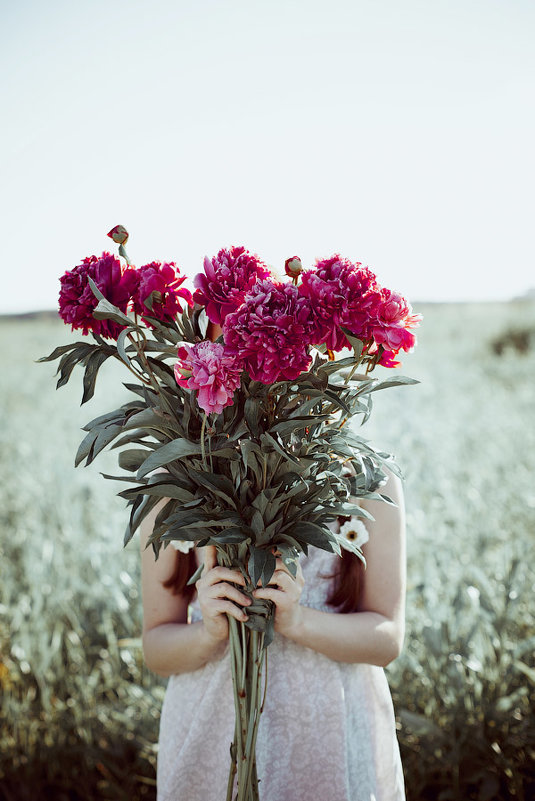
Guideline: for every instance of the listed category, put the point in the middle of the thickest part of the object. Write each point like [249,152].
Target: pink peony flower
[270,332]
[226,280]
[393,323]
[340,294]
[164,280]
[209,370]
[77,301]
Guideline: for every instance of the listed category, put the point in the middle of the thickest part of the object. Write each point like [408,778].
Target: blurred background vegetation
[79,712]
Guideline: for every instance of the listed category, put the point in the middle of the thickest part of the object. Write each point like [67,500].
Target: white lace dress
[327,731]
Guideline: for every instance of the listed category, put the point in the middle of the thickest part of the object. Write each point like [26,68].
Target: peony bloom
[77,301]
[119,234]
[209,370]
[394,319]
[340,294]
[226,280]
[293,267]
[162,281]
[270,332]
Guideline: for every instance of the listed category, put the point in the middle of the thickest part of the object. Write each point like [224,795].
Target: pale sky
[397,133]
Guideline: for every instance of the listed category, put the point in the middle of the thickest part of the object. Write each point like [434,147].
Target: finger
[217,574]
[210,558]
[282,579]
[277,596]
[223,590]
[222,607]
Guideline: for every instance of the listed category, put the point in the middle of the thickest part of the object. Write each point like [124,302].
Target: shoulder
[385,552]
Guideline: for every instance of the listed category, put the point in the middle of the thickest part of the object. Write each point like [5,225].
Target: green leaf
[91,371]
[290,557]
[61,350]
[104,437]
[163,490]
[337,400]
[268,569]
[395,381]
[219,485]
[267,440]
[356,343]
[257,523]
[140,509]
[85,447]
[114,416]
[196,576]
[247,446]
[286,427]
[121,350]
[232,535]
[170,452]
[257,561]
[68,363]
[252,416]
[106,310]
[132,459]
[313,535]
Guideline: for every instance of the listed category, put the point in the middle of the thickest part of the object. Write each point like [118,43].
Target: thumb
[210,557]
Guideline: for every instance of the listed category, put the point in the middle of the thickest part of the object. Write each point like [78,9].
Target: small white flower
[355,531]
[184,546]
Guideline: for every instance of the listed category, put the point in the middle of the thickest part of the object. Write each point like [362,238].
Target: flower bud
[119,234]
[293,267]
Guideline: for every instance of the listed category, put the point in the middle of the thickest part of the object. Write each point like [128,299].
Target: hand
[285,592]
[217,597]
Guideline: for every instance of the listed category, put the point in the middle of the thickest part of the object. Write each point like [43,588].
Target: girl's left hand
[285,592]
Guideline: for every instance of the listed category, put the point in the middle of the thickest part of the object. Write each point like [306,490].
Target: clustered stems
[247,655]
[247,660]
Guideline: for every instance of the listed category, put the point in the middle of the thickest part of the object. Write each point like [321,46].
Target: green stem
[139,376]
[237,746]
[140,351]
[244,652]
[210,453]
[203,452]
[256,657]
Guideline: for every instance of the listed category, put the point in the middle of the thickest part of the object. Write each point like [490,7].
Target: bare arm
[170,644]
[375,633]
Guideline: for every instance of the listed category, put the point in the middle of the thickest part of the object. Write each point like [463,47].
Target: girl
[327,731]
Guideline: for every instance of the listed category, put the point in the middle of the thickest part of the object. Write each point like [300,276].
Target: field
[79,712]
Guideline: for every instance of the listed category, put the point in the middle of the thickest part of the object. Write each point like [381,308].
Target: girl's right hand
[217,597]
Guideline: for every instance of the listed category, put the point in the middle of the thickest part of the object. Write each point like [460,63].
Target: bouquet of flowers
[244,434]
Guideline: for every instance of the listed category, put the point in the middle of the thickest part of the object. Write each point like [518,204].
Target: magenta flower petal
[270,332]
[393,322]
[215,374]
[77,301]
[164,280]
[341,294]
[226,280]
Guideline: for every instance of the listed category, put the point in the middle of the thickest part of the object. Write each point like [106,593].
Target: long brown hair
[345,593]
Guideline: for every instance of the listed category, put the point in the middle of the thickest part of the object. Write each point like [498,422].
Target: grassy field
[79,712]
